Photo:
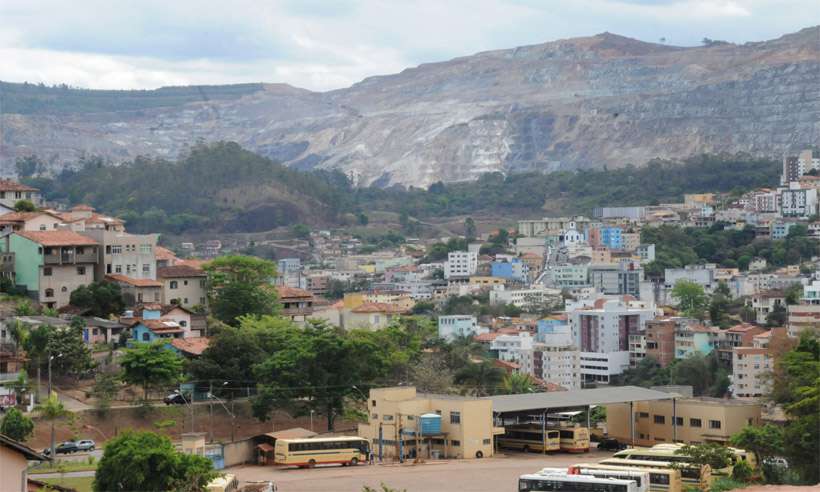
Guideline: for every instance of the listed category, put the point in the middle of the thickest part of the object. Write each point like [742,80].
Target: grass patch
[80,484]
[63,466]
[723,484]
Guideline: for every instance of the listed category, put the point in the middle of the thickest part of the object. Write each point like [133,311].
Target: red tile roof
[180,271]
[24,216]
[192,346]
[292,293]
[378,307]
[57,238]
[9,185]
[485,337]
[136,282]
[164,253]
[162,326]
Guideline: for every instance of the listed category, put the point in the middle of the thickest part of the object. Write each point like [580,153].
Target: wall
[189,288]
[27,261]
[12,468]
[239,452]
[64,279]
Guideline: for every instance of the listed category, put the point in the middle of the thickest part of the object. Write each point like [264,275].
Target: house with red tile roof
[190,347]
[297,304]
[183,285]
[12,192]
[371,315]
[52,264]
[136,290]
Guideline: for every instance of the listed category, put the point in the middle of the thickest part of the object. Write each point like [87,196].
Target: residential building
[459,325]
[703,275]
[297,304]
[12,192]
[98,330]
[646,253]
[631,213]
[466,424]
[14,462]
[513,269]
[151,330]
[137,290]
[695,338]
[631,240]
[122,253]
[741,335]
[798,202]
[611,237]
[183,285]
[570,275]
[660,339]
[289,272]
[688,420]
[528,299]
[29,221]
[510,346]
[622,279]
[551,226]
[52,264]
[607,324]
[82,218]
[752,365]
[373,316]
[460,264]
[763,303]
[598,367]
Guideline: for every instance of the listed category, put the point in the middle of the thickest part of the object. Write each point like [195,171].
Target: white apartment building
[527,299]
[460,264]
[459,325]
[752,366]
[798,202]
[509,347]
[555,364]
[597,367]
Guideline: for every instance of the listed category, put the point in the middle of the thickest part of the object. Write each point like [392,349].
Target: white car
[86,445]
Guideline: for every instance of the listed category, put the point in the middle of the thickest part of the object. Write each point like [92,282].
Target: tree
[778,316]
[794,292]
[431,374]
[71,355]
[28,166]
[101,299]
[230,357]
[362,218]
[703,373]
[239,286]
[469,229]
[765,441]
[517,383]
[135,461]
[318,365]
[151,366]
[712,454]
[52,410]
[24,206]
[105,389]
[16,425]
[648,372]
[480,379]
[301,231]
[691,297]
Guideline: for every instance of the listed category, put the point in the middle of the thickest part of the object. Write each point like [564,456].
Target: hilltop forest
[223,187]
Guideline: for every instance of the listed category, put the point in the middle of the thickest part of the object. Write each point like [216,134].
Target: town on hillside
[638,336]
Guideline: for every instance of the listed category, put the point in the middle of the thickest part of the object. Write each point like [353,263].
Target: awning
[265,447]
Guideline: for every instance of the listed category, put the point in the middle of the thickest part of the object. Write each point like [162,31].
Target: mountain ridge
[589,102]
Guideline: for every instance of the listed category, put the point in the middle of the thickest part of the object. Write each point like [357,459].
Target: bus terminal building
[469,425]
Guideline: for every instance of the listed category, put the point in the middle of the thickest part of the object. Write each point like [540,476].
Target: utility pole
[211,413]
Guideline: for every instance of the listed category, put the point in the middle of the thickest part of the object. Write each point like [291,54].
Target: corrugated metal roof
[575,398]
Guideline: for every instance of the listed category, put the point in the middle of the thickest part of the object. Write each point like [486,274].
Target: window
[185,301]
[183,323]
[145,337]
[108,268]
[643,415]
[42,227]
[695,423]
[201,301]
[116,249]
[108,249]
[455,418]
[660,419]
[146,268]
[202,284]
[80,270]
[374,416]
[679,421]
[487,442]
[145,249]
[64,289]
[174,284]
[49,293]
[714,424]
[387,418]
[184,282]
[117,268]
[373,402]
[47,271]
[455,443]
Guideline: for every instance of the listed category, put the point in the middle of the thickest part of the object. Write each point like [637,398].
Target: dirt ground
[171,421]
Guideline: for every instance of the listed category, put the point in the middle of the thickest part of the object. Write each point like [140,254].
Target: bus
[691,475]
[573,483]
[574,439]
[659,480]
[640,477]
[667,452]
[529,438]
[310,452]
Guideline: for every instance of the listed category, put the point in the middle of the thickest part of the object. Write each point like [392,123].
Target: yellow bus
[529,438]
[690,474]
[343,450]
[667,452]
[574,439]
[660,480]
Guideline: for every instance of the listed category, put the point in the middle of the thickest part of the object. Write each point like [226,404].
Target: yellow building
[489,282]
[699,420]
[353,300]
[466,423]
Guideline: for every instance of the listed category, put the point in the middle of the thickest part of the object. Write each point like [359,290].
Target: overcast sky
[327,44]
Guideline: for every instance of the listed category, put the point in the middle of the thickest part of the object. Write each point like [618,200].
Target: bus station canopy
[575,398]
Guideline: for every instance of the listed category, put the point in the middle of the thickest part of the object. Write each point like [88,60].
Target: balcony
[70,256]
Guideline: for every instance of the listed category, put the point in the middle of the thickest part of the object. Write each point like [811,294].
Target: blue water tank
[430,424]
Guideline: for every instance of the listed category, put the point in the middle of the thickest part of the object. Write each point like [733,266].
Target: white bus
[641,478]
[573,483]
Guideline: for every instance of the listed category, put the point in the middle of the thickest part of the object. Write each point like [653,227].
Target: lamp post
[233,416]
[50,358]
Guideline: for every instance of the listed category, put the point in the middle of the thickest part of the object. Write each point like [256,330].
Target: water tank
[430,424]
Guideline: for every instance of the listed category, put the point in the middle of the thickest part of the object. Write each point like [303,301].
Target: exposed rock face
[599,101]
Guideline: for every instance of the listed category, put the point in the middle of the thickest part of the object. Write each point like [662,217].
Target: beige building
[14,457]
[371,315]
[137,290]
[126,254]
[12,192]
[466,424]
[183,285]
[697,420]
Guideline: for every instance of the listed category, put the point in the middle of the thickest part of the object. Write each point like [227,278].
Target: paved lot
[487,475]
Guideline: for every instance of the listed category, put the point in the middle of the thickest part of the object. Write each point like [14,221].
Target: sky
[329,44]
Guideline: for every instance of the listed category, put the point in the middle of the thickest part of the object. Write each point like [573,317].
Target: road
[490,474]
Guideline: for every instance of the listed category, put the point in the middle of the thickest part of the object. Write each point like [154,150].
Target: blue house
[151,330]
[611,237]
[512,269]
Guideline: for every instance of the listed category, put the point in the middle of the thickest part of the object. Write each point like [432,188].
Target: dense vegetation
[676,247]
[198,191]
[28,98]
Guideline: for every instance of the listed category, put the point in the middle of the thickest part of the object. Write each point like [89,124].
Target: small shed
[265,442]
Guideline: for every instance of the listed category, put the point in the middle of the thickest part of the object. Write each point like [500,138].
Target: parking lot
[499,473]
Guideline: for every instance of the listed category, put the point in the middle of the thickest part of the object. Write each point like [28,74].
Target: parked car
[86,445]
[611,444]
[63,448]
[176,398]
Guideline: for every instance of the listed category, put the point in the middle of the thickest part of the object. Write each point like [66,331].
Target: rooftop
[180,271]
[9,185]
[575,398]
[136,282]
[292,292]
[57,238]
[378,307]
[193,345]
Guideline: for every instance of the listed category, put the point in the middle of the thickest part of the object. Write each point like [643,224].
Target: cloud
[327,44]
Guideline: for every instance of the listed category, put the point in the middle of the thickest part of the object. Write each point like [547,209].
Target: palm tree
[52,410]
[481,378]
[516,383]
